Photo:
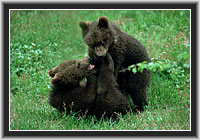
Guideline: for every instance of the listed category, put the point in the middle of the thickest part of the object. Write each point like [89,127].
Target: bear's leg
[140,99]
[117,68]
[110,101]
[137,85]
[57,102]
[91,89]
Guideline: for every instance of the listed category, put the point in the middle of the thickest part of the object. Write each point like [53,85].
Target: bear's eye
[102,43]
[79,65]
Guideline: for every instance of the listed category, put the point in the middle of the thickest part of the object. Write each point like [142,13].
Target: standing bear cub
[101,37]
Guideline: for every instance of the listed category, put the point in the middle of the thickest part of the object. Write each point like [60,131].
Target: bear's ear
[103,22]
[84,25]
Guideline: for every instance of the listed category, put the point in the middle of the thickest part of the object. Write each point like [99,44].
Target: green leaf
[134,70]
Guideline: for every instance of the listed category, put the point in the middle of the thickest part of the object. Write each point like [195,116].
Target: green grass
[40,40]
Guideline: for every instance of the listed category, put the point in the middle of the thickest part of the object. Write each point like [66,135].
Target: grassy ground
[40,40]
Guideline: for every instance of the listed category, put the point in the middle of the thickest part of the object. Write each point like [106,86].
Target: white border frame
[94,10]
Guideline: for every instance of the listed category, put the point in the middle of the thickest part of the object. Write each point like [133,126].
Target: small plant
[175,70]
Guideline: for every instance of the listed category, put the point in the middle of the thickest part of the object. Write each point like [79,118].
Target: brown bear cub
[66,94]
[102,36]
[110,100]
[96,98]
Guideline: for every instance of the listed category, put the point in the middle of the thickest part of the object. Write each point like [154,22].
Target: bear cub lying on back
[101,37]
[66,93]
[100,96]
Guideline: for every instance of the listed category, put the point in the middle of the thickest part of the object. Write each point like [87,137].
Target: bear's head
[98,35]
[60,67]
[71,71]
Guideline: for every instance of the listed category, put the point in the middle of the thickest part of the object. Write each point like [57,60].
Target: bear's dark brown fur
[110,100]
[101,36]
[66,93]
